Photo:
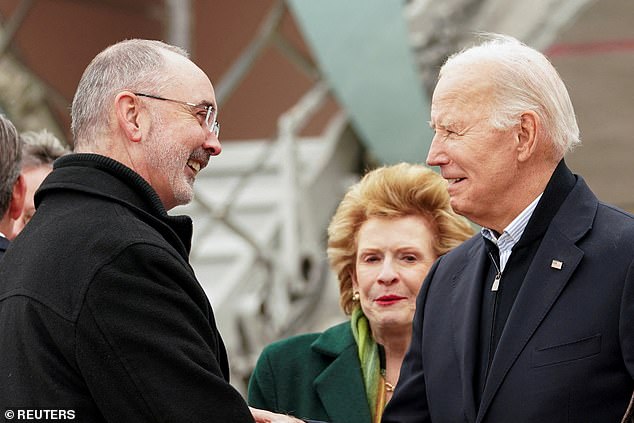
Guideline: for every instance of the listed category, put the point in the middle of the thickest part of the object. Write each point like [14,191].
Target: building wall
[58,39]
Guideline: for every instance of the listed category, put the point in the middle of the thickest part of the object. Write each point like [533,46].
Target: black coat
[100,311]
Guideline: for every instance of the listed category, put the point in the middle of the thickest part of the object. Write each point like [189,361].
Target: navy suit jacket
[4,244]
[566,353]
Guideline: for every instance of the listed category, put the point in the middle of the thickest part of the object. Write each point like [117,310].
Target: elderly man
[12,187]
[533,320]
[101,315]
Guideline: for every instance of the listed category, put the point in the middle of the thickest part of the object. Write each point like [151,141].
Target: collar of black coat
[105,177]
[559,186]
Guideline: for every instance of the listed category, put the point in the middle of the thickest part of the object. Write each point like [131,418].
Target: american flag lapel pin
[556,264]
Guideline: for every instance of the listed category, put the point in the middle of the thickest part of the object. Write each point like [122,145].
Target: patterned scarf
[370,363]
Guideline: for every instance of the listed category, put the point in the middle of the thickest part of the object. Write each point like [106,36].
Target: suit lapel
[466,299]
[554,263]
[340,383]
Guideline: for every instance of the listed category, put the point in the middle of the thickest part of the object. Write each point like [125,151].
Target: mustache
[201,156]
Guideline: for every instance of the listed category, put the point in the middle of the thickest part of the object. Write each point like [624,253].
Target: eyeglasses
[210,113]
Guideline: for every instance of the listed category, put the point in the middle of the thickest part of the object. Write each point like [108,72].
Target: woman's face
[393,257]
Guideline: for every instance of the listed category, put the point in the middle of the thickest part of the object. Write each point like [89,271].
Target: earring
[356,296]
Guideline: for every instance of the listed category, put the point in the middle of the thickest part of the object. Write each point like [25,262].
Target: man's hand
[263,416]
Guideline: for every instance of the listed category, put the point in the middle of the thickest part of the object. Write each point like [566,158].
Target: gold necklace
[388,386]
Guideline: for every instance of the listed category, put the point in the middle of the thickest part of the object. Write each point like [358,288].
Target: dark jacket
[100,311]
[313,376]
[566,353]
[4,244]
[628,417]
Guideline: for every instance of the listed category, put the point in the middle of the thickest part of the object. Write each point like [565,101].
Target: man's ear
[17,198]
[527,136]
[126,106]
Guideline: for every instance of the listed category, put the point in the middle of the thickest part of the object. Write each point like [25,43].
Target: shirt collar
[513,232]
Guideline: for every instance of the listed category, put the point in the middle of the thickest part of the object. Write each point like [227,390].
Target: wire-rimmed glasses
[210,112]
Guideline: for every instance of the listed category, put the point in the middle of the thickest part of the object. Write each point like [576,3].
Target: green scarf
[369,359]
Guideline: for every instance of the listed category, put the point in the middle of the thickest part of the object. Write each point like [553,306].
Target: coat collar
[340,383]
[104,177]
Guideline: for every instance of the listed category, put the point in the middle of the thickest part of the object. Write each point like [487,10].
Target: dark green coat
[313,376]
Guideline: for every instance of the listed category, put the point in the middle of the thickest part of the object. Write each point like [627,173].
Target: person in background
[386,233]
[532,320]
[12,186]
[39,150]
[102,318]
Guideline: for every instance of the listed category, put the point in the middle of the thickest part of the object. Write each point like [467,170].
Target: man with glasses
[101,315]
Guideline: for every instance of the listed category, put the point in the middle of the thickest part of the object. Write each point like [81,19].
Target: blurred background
[311,94]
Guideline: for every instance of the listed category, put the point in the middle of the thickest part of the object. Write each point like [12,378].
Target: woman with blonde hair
[386,233]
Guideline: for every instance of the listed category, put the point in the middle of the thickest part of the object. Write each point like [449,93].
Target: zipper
[498,275]
[494,288]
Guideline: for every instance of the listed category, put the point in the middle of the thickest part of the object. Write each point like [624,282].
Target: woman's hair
[391,192]
[524,80]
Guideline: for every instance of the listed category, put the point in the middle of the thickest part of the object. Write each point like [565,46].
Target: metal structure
[439,29]
[23,95]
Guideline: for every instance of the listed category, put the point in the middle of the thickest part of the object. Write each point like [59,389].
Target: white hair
[40,148]
[128,65]
[524,80]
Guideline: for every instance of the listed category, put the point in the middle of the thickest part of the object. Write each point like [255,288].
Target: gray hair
[135,65]
[10,158]
[40,148]
[524,80]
